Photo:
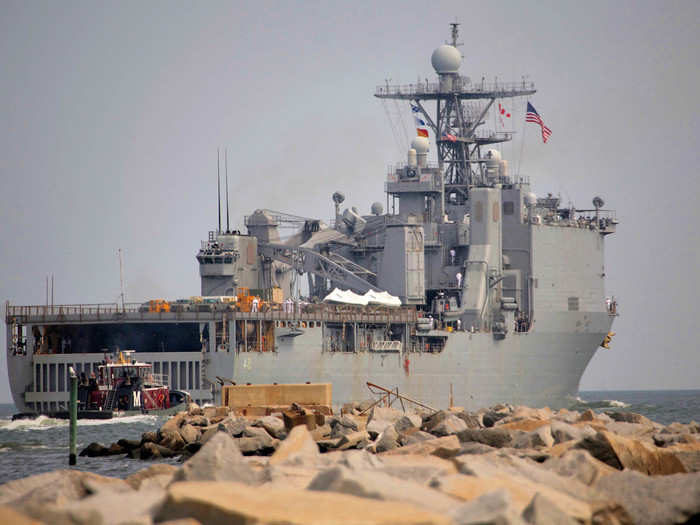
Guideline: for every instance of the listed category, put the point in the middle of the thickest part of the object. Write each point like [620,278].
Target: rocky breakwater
[499,465]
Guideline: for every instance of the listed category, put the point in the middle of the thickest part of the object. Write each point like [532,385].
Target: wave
[46,423]
[582,404]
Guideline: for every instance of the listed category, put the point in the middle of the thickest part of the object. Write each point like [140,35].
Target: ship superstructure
[502,292]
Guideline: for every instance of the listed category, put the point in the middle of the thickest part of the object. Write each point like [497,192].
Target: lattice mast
[460,108]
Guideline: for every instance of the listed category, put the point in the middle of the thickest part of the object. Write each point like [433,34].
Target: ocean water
[39,445]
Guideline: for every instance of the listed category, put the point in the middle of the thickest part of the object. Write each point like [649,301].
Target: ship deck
[116,313]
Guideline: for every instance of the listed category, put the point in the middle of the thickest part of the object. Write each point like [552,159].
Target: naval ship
[501,292]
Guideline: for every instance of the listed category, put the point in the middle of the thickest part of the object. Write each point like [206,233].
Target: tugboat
[123,387]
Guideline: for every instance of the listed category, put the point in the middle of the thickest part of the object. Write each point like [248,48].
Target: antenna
[51,289]
[455,33]
[218,187]
[226,171]
[121,275]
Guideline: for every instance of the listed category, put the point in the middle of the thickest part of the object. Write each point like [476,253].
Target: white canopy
[371,297]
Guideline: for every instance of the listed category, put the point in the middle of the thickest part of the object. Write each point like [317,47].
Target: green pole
[73,416]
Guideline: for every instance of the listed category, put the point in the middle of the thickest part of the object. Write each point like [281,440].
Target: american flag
[533,116]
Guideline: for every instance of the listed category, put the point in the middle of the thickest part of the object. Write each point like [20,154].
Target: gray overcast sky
[111,115]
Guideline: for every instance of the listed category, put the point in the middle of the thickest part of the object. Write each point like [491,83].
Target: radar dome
[530,199]
[493,154]
[377,208]
[446,59]
[420,144]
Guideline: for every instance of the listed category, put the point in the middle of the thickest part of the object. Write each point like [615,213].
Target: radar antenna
[455,33]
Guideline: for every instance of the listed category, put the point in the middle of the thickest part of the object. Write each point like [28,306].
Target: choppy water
[40,445]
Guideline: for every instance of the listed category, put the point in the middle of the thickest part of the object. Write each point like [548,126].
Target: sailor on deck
[254,306]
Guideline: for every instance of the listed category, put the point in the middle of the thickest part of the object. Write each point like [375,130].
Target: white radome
[420,144]
[446,59]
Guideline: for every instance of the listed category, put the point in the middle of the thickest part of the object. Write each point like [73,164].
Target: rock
[155,451]
[493,508]
[409,421]
[387,440]
[619,452]
[298,448]
[106,509]
[193,409]
[295,418]
[473,447]
[444,447]
[321,432]
[413,435]
[384,414]
[273,425]
[562,431]
[628,417]
[255,446]
[129,444]
[414,467]
[579,464]
[343,425]
[378,485]
[449,426]
[189,433]
[234,427]
[538,438]
[635,430]
[353,440]
[588,415]
[526,425]
[170,439]
[198,421]
[37,496]
[12,517]
[149,437]
[667,440]
[94,450]
[237,503]
[542,511]
[688,454]
[520,491]
[218,460]
[493,437]
[491,417]
[471,420]
[174,423]
[115,450]
[208,434]
[324,445]
[654,499]
[160,469]
[377,426]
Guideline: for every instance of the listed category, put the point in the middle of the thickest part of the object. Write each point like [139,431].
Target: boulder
[324,445]
[208,434]
[94,450]
[109,509]
[635,430]
[443,447]
[667,440]
[273,425]
[149,437]
[193,409]
[218,460]
[377,426]
[11,516]
[378,485]
[542,511]
[115,449]
[343,425]
[256,446]
[491,417]
[493,508]
[413,467]
[160,469]
[493,437]
[628,417]
[235,427]
[473,447]
[198,421]
[129,444]
[298,448]
[413,435]
[588,415]
[562,431]
[654,499]
[580,465]
[688,454]
[170,439]
[538,438]
[174,423]
[387,440]
[358,439]
[408,421]
[189,433]
[449,426]
[155,451]
[237,503]
[321,432]
[526,425]
[384,414]
[619,452]
[471,420]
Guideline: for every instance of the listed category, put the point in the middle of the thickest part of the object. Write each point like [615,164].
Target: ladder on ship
[109,400]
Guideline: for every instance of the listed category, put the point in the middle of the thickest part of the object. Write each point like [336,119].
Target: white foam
[615,403]
[37,423]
